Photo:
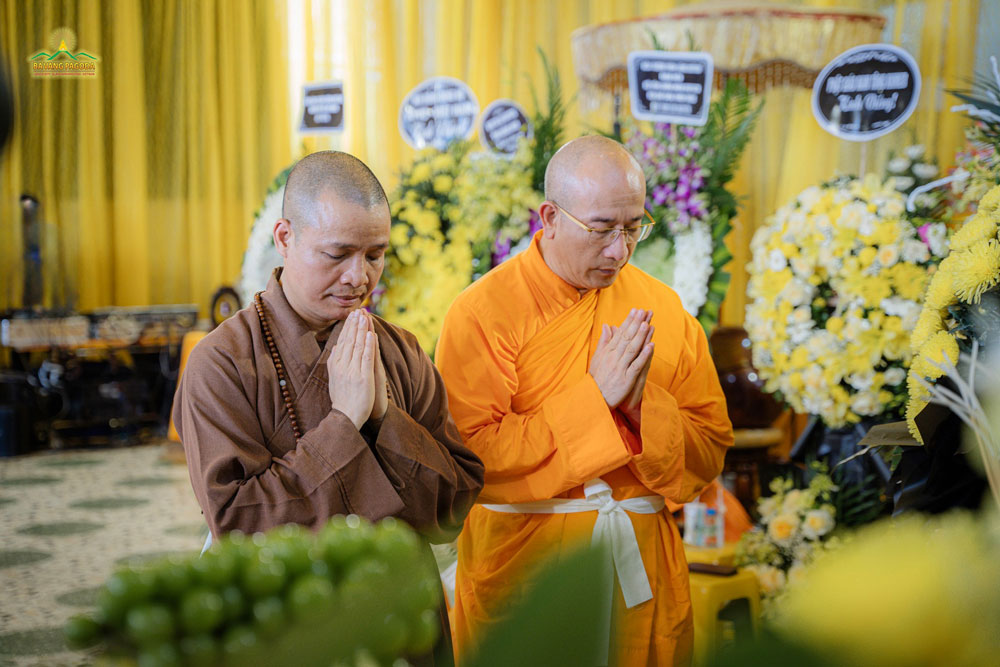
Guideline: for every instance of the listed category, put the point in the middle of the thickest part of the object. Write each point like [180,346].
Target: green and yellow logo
[62,61]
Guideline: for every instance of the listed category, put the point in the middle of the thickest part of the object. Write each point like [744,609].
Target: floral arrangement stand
[687,169]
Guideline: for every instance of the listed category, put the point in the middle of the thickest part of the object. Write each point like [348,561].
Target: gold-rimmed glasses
[605,237]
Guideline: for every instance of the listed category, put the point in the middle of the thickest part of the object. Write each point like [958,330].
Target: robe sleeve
[422,454]
[241,485]
[570,439]
[685,429]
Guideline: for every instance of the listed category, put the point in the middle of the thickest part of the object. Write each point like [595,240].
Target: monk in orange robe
[581,382]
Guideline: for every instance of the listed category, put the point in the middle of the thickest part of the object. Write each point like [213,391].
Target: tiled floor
[66,520]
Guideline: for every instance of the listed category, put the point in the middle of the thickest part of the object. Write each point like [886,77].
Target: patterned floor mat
[67,519]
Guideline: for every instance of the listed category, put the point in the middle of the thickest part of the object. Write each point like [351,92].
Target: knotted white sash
[612,528]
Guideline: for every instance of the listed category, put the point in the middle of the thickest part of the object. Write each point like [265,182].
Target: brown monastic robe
[249,473]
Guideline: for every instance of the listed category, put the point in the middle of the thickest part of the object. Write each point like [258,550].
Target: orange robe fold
[514,354]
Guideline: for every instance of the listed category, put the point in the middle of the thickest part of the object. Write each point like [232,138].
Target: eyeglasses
[605,237]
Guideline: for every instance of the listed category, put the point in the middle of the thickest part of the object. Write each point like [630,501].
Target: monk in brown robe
[303,406]
[592,422]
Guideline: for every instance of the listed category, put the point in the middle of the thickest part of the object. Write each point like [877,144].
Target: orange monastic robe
[514,354]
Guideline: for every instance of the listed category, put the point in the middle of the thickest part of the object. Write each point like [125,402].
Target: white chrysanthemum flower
[817,523]
[693,269]
[915,152]
[776,260]
[783,528]
[898,165]
[892,208]
[887,255]
[866,403]
[796,573]
[861,382]
[852,215]
[797,291]
[915,250]
[261,256]
[894,376]
[903,183]
[810,196]
[770,578]
[897,306]
[937,238]
[925,171]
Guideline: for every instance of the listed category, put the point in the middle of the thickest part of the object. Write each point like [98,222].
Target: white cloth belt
[613,528]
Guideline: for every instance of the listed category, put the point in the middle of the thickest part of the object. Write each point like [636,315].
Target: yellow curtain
[491,44]
[148,173]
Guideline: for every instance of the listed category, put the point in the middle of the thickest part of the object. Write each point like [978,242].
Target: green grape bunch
[288,596]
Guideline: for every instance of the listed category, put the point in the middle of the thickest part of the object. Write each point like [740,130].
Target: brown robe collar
[296,341]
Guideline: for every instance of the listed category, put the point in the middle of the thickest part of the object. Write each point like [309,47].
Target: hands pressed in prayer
[354,389]
[621,361]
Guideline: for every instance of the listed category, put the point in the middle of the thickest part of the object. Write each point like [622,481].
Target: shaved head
[333,234]
[592,185]
[317,177]
[574,168]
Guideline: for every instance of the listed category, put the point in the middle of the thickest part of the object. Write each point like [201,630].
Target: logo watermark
[60,61]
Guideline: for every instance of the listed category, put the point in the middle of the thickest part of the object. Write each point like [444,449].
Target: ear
[548,212]
[283,236]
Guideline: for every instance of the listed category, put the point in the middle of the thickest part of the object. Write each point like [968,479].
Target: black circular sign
[437,112]
[866,92]
[502,124]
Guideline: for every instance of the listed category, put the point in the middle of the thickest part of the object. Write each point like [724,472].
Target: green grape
[131,586]
[424,632]
[420,594]
[239,644]
[290,531]
[310,596]
[160,655]
[318,566]
[216,569]
[396,543]
[293,551]
[201,610]
[345,541]
[264,576]
[149,624]
[82,632]
[199,651]
[269,616]
[391,636]
[363,577]
[110,611]
[173,577]
[234,603]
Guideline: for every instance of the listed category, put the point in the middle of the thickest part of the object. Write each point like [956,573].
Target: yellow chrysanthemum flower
[990,203]
[976,270]
[980,227]
[940,349]
[929,323]
[939,292]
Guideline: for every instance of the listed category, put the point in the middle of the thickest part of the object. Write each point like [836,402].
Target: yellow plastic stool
[191,339]
[709,594]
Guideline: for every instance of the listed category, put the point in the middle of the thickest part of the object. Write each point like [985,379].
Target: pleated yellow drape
[491,44]
[148,173]
[153,184]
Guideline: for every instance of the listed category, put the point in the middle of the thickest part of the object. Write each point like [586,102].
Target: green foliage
[984,94]
[549,123]
[858,504]
[731,119]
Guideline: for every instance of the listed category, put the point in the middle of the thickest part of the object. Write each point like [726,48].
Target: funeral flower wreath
[836,285]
